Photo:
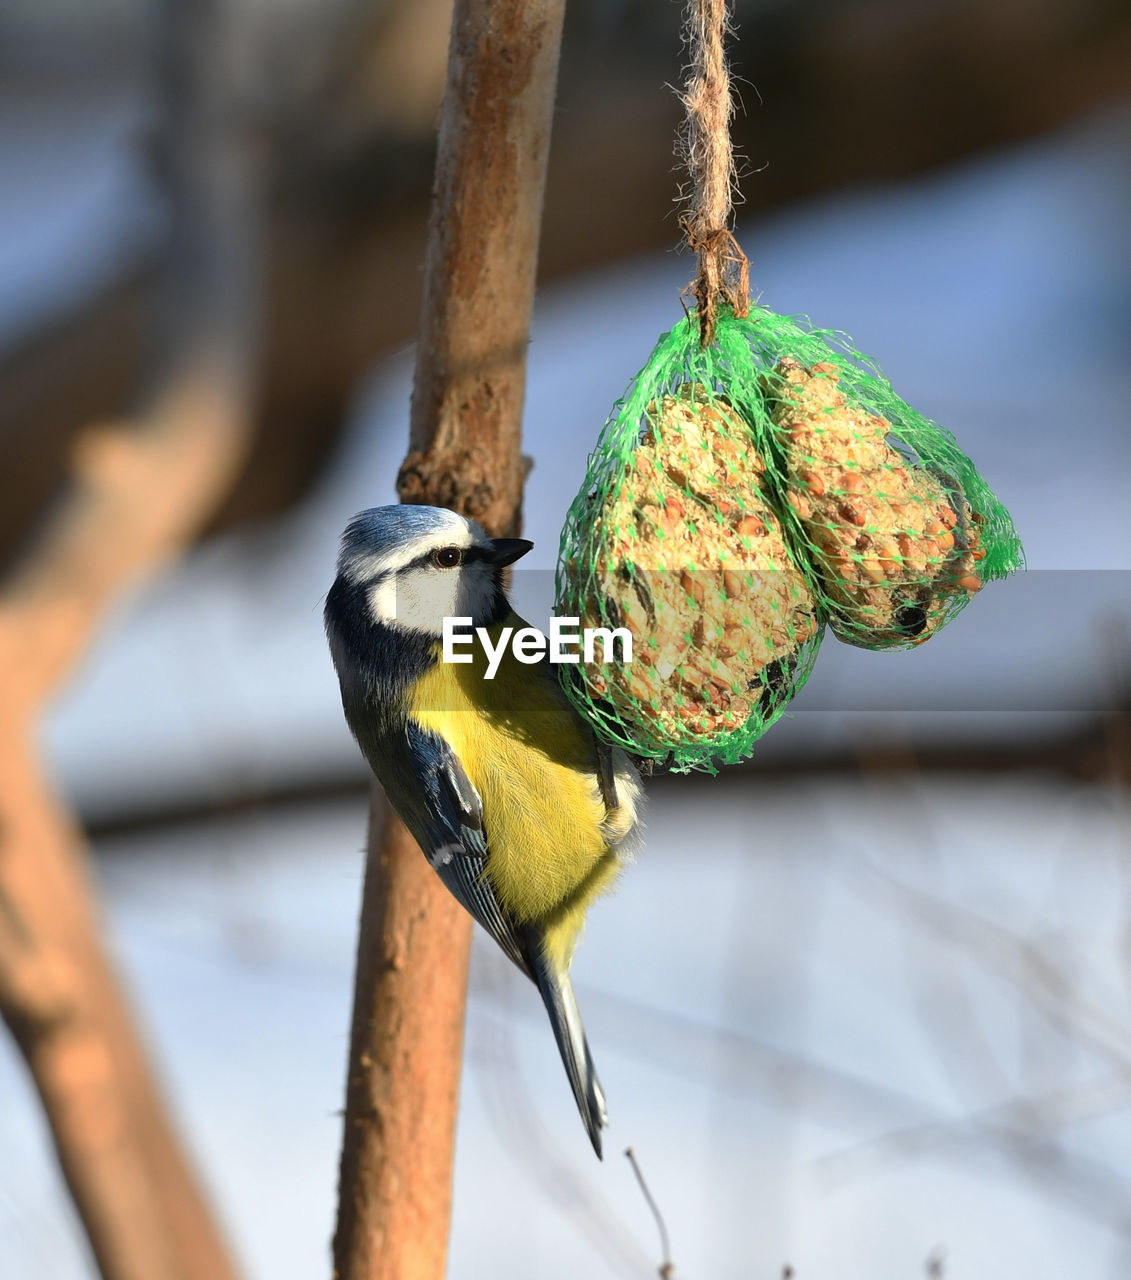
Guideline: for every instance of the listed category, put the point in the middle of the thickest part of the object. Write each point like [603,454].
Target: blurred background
[863,1008]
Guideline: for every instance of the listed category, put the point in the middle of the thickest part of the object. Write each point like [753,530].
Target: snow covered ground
[810,1006]
[809,1003]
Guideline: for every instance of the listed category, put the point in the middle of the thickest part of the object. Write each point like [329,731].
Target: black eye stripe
[468,555]
[452,557]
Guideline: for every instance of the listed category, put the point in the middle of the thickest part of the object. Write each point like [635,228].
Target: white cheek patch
[417,600]
[383,601]
[420,599]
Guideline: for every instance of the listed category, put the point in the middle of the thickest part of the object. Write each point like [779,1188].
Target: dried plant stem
[666,1268]
[706,145]
[406,1041]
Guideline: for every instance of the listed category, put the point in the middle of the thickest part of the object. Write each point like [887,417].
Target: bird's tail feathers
[565,1018]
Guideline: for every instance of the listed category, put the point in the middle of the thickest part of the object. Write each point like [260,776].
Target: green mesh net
[740,496]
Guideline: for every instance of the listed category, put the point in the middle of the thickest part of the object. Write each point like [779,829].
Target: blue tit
[521,811]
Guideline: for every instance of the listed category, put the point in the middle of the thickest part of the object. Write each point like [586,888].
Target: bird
[524,814]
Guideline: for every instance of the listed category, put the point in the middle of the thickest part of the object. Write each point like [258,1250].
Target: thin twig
[667,1267]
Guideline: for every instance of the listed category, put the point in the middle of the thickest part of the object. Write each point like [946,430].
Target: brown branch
[406,1041]
[483,234]
[405,1048]
[136,493]
[136,496]
[136,1195]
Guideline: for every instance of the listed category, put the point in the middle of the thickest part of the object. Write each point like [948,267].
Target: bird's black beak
[506,551]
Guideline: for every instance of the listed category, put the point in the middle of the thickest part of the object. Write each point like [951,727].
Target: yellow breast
[532,761]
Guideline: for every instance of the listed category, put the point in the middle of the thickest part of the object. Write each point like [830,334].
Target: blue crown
[382,529]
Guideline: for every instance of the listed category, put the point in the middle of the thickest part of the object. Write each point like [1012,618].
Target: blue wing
[442,809]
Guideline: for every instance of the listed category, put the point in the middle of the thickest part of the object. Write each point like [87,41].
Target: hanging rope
[706,150]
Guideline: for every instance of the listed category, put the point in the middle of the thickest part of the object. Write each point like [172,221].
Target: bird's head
[415,566]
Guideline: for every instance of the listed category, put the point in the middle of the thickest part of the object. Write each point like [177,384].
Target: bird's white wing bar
[444,853]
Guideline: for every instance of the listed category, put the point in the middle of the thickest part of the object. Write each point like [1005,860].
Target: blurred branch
[1020,1129]
[515,1117]
[1061,761]
[350,178]
[697,1051]
[138,492]
[411,983]
[1034,1119]
[1025,1128]
[1093,1189]
[1020,962]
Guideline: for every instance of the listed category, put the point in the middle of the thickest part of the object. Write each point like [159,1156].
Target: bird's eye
[447,557]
